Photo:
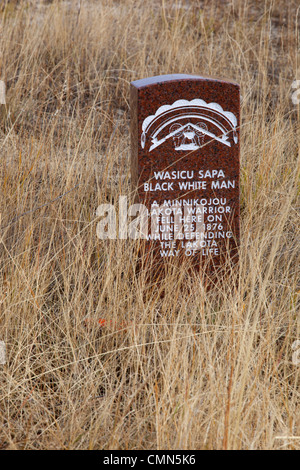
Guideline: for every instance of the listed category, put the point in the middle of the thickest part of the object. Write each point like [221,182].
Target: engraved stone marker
[185,165]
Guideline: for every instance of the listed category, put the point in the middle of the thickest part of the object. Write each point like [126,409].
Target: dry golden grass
[187,370]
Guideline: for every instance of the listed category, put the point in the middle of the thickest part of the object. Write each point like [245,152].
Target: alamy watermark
[2,353]
[171,221]
[296,354]
[296,93]
[2,92]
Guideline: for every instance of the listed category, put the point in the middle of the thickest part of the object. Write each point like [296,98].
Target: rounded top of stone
[144,82]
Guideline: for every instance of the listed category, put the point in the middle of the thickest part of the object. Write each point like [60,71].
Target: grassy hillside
[97,357]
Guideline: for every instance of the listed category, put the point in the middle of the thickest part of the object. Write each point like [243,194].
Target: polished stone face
[185,160]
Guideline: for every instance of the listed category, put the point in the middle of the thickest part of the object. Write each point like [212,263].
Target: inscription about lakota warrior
[185,164]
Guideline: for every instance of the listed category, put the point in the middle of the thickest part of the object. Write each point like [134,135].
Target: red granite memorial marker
[185,166]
